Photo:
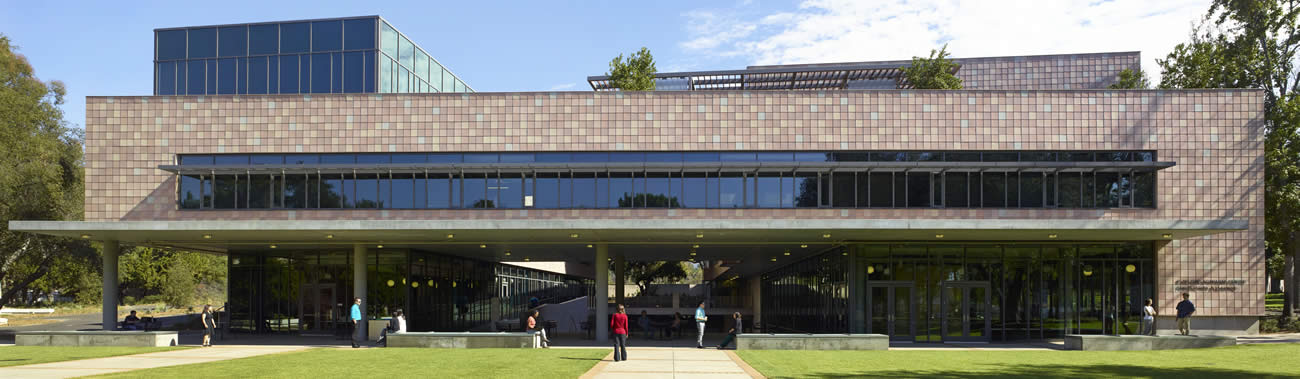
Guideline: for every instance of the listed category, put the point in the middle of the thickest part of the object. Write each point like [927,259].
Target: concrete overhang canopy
[222,235]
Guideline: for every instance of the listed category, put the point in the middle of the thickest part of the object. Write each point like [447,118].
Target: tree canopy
[1253,44]
[1131,79]
[935,72]
[633,73]
[42,179]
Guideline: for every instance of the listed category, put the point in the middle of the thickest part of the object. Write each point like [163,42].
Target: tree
[645,273]
[935,72]
[1129,79]
[1253,44]
[635,73]
[41,177]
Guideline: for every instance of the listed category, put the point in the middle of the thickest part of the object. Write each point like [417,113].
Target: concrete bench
[812,342]
[465,340]
[96,338]
[1135,343]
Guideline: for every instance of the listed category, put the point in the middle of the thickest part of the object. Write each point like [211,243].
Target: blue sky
[105,47]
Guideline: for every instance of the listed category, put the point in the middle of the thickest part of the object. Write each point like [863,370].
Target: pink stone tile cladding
[1216,138]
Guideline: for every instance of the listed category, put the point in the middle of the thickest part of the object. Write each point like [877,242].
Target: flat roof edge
[652,93]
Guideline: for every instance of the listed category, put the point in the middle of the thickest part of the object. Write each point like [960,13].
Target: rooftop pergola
[827,77]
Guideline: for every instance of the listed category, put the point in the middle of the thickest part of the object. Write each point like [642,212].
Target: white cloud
[565,86]
[849,30]
[709,30]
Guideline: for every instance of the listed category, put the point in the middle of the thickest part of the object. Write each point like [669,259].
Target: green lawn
[26,355]
[1247,361]
[392,363]
[1273,302]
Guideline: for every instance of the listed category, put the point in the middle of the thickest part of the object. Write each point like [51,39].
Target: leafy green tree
[180,289]
[634,73]
[935,72]
[1130,79]
[40,179]
[645,273]
[1253,44]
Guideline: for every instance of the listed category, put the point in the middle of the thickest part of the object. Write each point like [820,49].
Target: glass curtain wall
[713,188]
[310,292]
[969,291]
[809,296]
[348,55]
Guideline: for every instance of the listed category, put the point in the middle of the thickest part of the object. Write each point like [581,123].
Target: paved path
[99,366]
[650,362]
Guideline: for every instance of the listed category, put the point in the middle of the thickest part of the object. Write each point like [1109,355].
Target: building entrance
[318,309]
[966,311]
[892,309]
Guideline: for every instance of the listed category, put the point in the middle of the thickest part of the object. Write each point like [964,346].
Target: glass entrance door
[892,309]
[966,311]
[317,308]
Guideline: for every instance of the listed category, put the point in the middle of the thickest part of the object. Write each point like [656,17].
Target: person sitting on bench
[131,322]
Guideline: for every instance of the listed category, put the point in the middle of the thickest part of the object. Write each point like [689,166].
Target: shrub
[128,300]
[151,299]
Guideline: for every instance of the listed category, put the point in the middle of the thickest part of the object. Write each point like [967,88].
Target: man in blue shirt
[700,319]
[355,316]
[1185,310]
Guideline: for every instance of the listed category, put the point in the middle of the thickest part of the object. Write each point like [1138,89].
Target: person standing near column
[1148,319]
[700,320]
[618,323]
[1185,310]
[357,324]
[208,325]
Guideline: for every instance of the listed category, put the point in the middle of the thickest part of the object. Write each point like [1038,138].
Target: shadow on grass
[1053,371]
[580,359]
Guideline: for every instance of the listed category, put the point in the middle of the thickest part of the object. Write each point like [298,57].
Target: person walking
[1148,319]
[535,325]
[700,320]
[736,326]
[357,324]
[1185,310]
[619,324]
[209,323]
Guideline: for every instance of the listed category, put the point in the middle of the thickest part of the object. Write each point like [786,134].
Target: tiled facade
[1216,138]
[1034,72]
[1065,72]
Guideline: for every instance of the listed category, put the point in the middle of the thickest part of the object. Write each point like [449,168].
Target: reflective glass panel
[203,43]
[191,192]
[289,74]
[263,39]
[171,44]
[359,34]
[405,51]
[166,78]
[295,37]
[327,35]
[320,73]
[233,41]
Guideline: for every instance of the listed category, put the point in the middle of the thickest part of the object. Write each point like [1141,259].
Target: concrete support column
[359,281]
[620,278]
[601,266]
[756,295]
[857,312]
[111,250]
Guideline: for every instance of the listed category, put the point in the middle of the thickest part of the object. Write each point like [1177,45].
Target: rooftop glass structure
[337,55]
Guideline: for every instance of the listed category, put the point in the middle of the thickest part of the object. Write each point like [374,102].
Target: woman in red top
[619,324]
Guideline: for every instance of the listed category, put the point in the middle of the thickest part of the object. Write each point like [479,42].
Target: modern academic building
[333,158]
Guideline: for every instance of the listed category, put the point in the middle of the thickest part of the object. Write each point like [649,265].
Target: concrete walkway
[653,362]
[100,366]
